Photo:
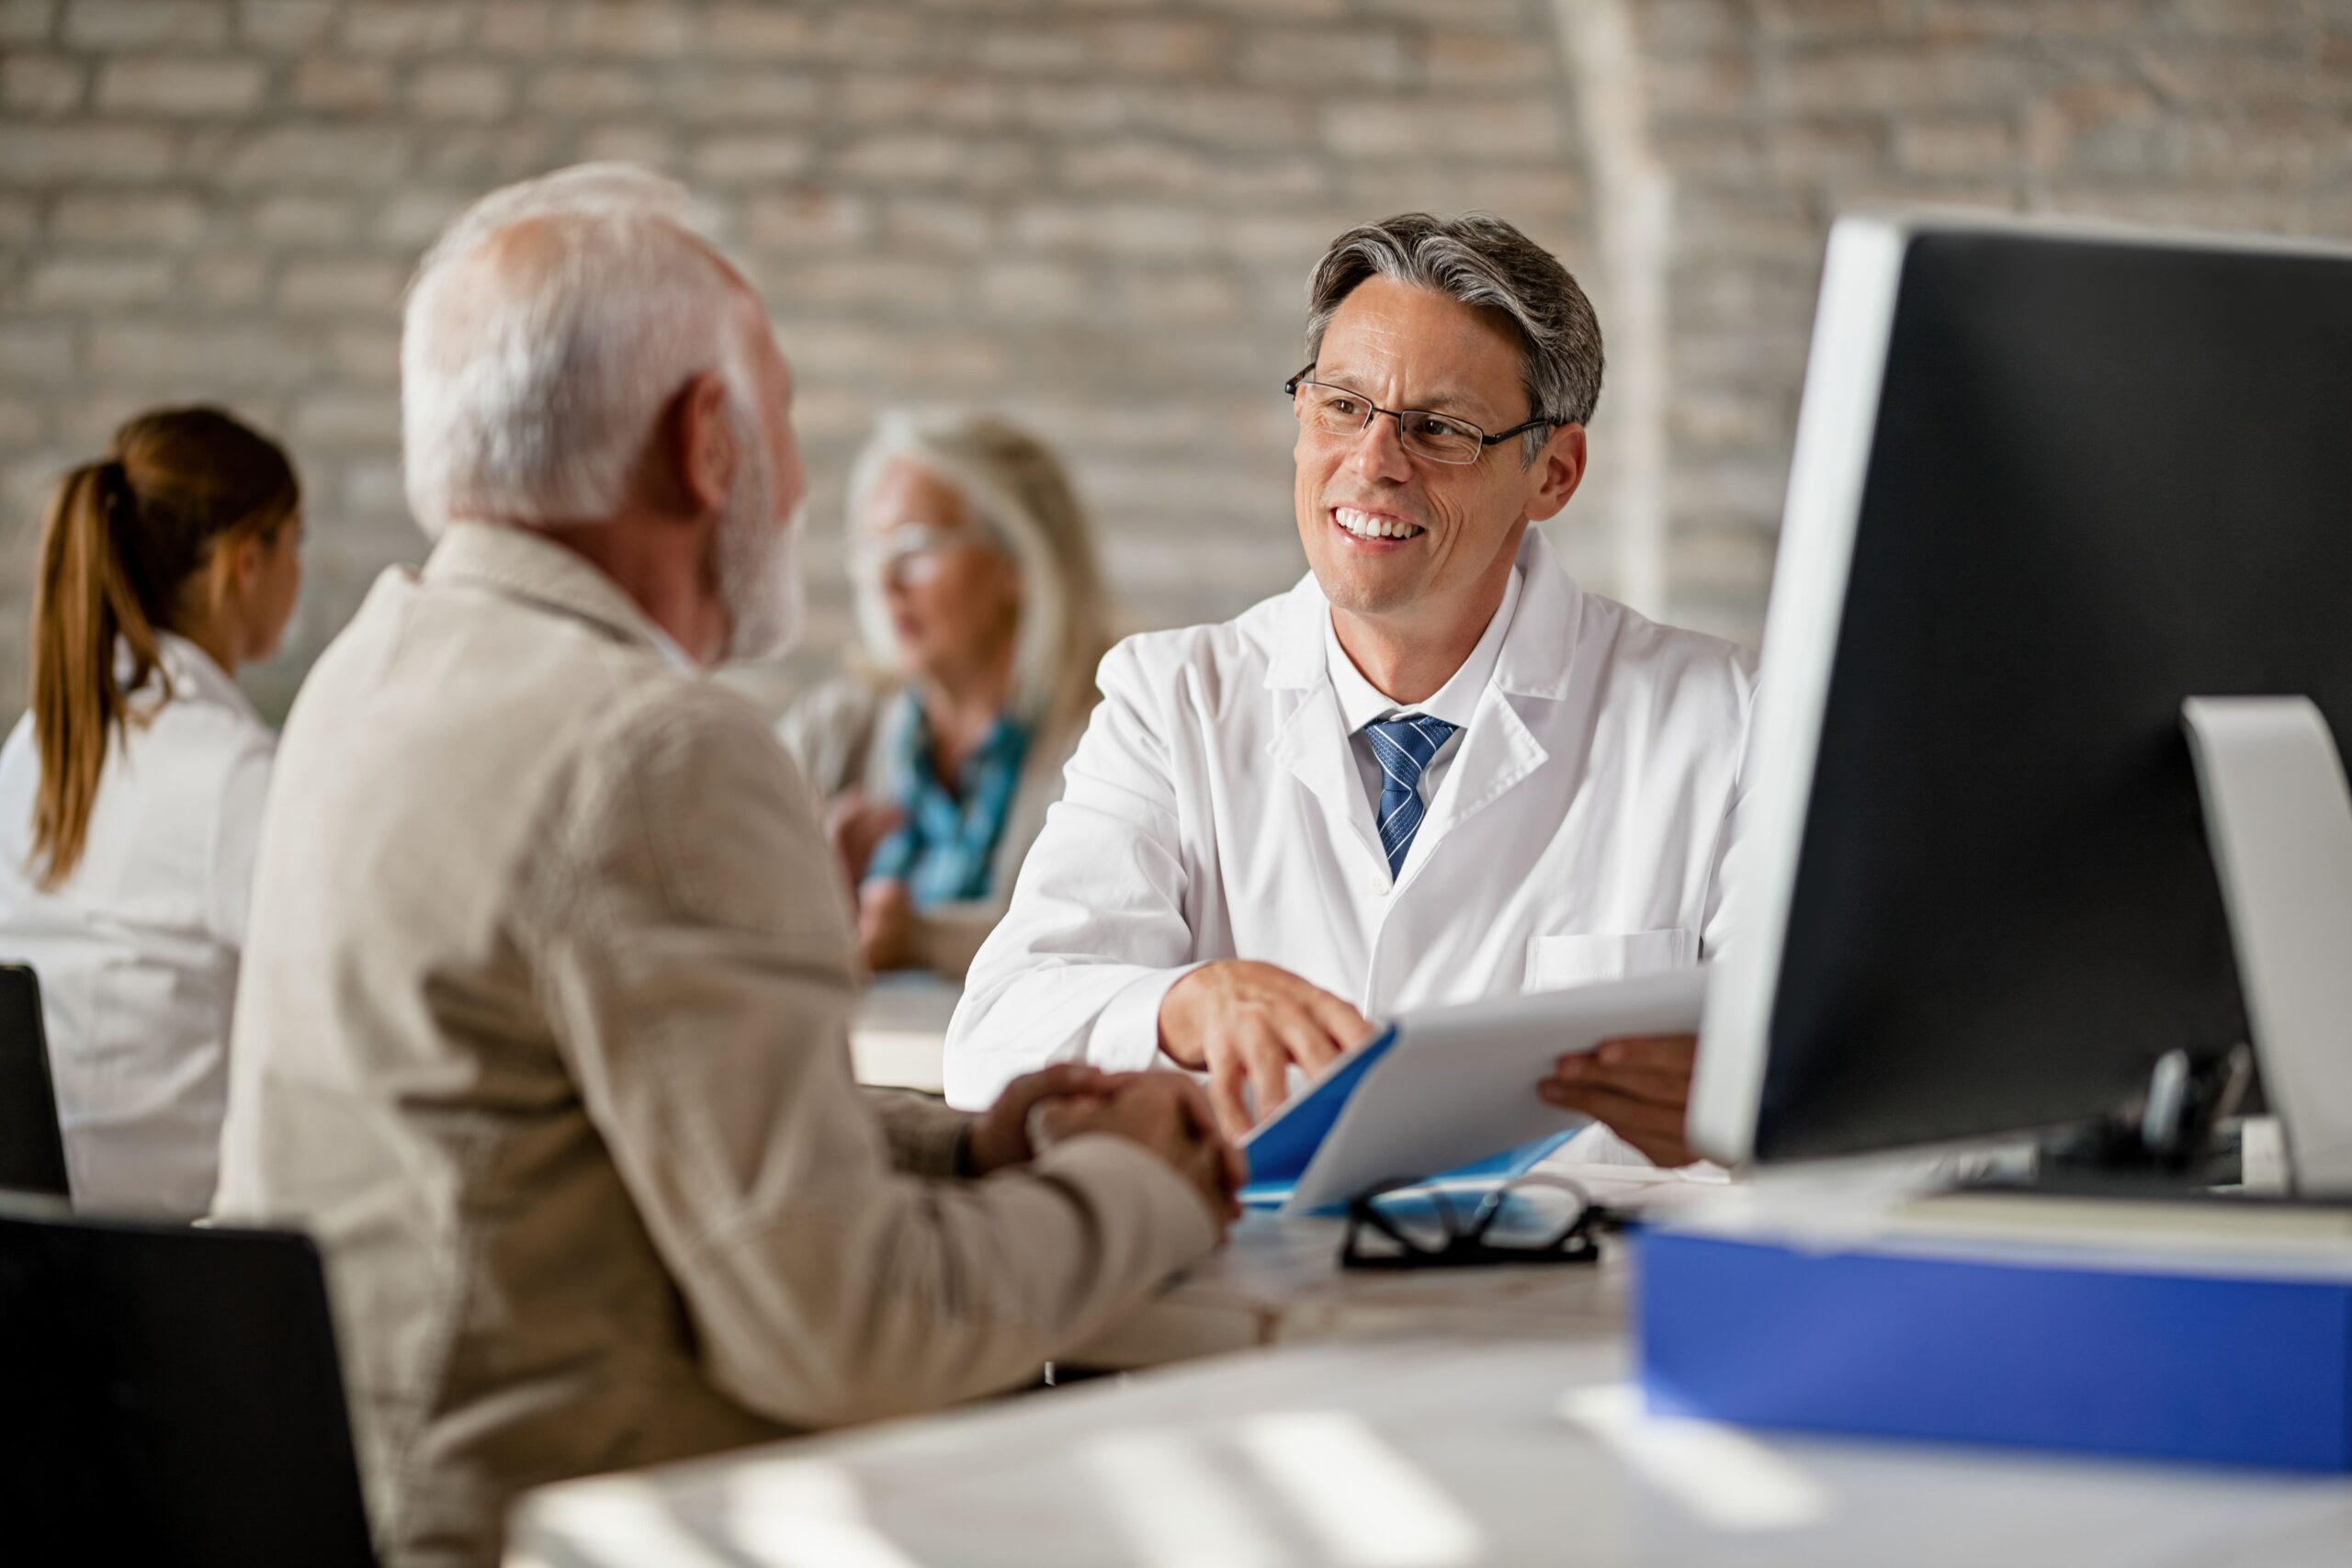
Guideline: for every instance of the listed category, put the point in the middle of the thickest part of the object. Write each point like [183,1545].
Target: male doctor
[1434,771]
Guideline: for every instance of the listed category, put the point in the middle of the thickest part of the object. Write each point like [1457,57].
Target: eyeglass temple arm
[1291,386]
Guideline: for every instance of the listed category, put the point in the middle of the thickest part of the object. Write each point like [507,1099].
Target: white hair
[1025,502]
[529,400]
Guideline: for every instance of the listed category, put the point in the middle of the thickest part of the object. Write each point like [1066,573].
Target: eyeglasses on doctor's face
[1326,410]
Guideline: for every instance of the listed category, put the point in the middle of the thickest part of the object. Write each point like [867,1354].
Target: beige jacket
[841,734]
[543,1033]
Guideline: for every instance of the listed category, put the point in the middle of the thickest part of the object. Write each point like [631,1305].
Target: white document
[1459,1083]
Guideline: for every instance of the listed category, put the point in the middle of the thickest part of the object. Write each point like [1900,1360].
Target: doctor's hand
[1245,1023]
[1639,1088]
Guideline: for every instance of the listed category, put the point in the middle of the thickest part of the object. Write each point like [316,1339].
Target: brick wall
[1097,214]
[1769,116]
[1098,217]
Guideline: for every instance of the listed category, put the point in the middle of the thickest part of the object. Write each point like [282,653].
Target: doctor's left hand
[1639,1089]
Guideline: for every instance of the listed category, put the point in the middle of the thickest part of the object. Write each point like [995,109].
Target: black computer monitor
[2048,484]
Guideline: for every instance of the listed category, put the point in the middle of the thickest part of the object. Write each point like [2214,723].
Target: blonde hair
[121,546]
[1025,499]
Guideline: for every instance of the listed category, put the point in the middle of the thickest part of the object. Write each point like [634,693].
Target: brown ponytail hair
[121,547]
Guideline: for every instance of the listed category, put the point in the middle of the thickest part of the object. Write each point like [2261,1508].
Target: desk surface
[1276,1281]
[899,1038]
[1407,1452]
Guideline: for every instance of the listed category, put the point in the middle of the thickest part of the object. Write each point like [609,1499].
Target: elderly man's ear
[1559,468]
[707,454]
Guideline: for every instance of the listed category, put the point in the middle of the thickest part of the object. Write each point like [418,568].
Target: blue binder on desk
[2221,1360]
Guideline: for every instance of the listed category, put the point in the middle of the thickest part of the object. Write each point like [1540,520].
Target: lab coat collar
[519,563]
[1313,744]
[1499,750]
[1456,701]
[1537,648]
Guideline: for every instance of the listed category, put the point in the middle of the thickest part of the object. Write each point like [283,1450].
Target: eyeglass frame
[1373,410]
[1465,1245]
[885,557]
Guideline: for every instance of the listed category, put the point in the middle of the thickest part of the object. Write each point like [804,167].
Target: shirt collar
[520,563]
[192,671]
[1456,701]
[1007,737]
[667,646]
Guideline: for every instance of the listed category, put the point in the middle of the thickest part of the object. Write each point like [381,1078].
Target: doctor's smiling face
[1413,552]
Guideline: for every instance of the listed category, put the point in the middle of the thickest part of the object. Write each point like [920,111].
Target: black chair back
[170,1394]
[32,1151]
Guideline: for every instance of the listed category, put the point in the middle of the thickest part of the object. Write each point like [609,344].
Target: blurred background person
[983,616]
[130,793]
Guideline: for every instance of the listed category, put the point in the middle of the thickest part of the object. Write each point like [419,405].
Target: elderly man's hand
[1245,1023]
[1165,1112]
[1001,1135]
[1639,1087]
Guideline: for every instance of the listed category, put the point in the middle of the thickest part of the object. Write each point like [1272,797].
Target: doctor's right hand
[1244,1023]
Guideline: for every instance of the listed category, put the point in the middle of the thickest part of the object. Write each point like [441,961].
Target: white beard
[759,566]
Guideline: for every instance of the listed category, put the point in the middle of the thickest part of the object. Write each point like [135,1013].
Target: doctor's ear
[1558,471]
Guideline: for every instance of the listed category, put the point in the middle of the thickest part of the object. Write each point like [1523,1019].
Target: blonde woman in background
[983,615]
[130,793]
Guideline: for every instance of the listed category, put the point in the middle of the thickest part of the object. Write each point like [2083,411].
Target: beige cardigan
[543,1033]
[839,734]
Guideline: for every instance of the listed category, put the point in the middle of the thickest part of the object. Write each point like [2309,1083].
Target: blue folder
[1279,1155]
[2136,1360]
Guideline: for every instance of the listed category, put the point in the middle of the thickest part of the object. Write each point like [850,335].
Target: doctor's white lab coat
[1215,810]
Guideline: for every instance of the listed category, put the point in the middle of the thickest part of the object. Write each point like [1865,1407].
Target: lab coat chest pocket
[1555,963]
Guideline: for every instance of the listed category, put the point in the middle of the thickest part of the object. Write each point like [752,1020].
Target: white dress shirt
[1217,809]
[136,952]
[1456,701]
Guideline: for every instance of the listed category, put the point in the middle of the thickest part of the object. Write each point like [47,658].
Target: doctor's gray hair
[1479,260]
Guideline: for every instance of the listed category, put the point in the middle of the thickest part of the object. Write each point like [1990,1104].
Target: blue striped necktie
[1404,747]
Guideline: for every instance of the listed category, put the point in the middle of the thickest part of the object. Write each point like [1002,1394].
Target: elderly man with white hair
[543,1021]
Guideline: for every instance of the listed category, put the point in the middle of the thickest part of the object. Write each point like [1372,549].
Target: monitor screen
[2048,484]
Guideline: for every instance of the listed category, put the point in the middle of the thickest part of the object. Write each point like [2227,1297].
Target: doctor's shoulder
[1207,667]
[1680,667]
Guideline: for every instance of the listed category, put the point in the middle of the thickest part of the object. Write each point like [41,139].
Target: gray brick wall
[1098,217]
[1772,115]
[1096,214]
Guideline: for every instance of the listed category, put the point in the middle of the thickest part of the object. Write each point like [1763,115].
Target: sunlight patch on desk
[1172,1508]
[1720,1475]
[620,1523]
[1368,1504]
[804,1514]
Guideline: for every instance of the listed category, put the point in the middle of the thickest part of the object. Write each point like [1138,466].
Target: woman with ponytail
[131,792]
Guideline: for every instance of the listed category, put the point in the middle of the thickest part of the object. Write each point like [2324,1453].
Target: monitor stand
[2279,816]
